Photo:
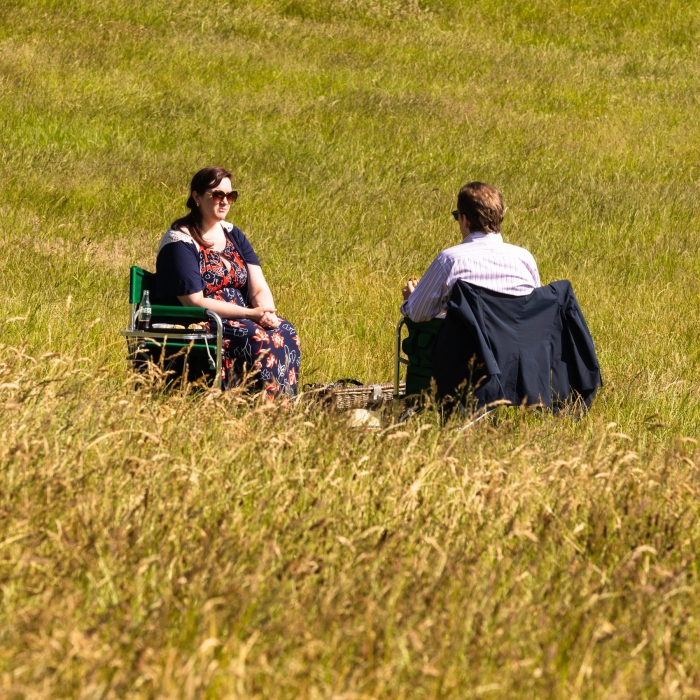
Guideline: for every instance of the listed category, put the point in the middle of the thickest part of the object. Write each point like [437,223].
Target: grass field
[193,545]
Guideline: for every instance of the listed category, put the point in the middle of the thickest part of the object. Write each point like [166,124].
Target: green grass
[531,558]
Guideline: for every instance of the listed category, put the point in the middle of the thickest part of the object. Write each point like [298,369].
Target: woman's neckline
[226,241]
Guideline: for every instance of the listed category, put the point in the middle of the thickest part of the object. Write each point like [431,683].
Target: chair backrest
[139,281]
[533,349]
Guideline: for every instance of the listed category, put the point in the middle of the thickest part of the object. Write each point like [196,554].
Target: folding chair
[189,353]
[497,350]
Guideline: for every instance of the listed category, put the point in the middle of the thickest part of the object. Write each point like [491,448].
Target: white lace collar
[176,236]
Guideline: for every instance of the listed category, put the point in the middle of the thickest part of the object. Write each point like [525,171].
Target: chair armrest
[195,312]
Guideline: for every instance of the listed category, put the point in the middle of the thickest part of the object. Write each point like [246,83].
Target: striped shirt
[482,259]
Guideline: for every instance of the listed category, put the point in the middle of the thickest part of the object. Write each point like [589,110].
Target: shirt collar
[480,235]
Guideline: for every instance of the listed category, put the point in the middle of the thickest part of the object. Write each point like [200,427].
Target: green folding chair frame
[418,348]
[163,341]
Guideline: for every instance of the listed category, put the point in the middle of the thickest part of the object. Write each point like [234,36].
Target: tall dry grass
[197,545]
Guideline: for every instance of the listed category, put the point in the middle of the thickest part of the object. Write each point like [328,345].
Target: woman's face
[216,201]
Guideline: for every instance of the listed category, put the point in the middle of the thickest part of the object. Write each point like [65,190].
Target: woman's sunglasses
[455,213]
[219,195]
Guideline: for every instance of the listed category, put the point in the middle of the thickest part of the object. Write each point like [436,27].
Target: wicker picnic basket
[347,393]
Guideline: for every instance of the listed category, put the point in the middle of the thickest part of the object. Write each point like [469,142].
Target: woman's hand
[269,320]
[265,317]
[264,314]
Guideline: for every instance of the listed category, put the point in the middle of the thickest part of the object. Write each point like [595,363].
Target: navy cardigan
[177,267]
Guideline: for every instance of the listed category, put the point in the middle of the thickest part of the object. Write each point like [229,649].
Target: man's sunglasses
[455,213]
[219,195]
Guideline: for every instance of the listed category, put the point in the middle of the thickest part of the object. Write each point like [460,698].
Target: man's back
[482,259]
[486,260]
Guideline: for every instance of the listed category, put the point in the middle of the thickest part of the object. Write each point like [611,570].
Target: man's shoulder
[519,251]
[455,252]
[482,247]
[463,251]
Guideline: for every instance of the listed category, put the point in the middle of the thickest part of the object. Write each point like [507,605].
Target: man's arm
[425,302]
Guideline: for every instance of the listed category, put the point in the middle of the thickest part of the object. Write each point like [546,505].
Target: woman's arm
[261,296]
[259,314]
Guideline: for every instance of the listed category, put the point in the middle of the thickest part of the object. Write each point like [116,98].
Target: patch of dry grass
[189,545]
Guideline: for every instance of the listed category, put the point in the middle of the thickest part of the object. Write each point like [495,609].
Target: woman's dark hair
[203,180]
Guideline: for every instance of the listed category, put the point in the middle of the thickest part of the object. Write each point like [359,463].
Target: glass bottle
[144,319]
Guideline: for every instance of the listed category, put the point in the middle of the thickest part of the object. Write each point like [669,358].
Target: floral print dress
[269,357]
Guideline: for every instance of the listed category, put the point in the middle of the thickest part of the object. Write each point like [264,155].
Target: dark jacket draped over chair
[531,350]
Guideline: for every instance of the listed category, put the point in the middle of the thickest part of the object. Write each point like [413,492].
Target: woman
[205,261]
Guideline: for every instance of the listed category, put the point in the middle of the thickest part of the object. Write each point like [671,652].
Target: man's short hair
[482,205]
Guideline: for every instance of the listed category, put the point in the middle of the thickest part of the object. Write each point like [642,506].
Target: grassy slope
[322,561]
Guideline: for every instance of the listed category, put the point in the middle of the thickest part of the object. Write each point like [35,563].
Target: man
[482,258]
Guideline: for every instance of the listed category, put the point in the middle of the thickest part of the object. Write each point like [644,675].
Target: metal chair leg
[398,360]
[219,346]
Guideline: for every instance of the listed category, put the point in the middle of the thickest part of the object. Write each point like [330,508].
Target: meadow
[158,544]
